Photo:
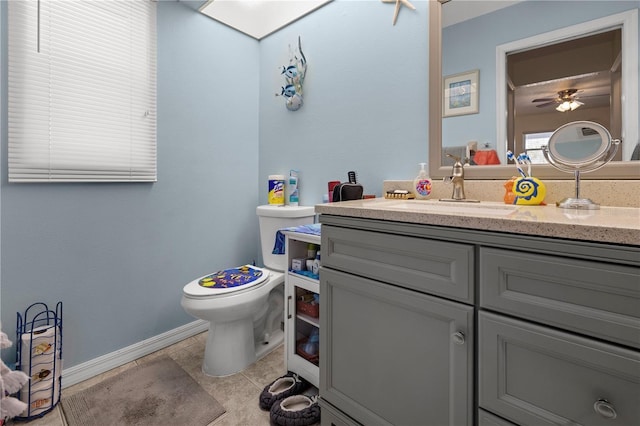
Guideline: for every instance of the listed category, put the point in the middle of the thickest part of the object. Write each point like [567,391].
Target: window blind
[82,90]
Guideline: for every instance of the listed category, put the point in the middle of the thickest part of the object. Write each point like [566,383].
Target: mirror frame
[614,170]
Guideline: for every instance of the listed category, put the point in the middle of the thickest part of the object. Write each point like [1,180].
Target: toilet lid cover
[227,281]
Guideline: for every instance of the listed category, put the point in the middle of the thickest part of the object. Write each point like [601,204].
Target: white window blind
[82,90]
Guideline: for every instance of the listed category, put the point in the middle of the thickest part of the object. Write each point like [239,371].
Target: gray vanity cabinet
[395,354]
[429,325]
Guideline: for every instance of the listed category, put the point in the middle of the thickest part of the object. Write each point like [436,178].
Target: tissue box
[299,264]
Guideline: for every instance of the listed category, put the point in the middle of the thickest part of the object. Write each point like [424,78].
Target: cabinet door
[535,375]
[389,355]
[301,325]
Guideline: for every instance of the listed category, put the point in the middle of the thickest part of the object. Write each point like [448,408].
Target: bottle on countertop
[422,183]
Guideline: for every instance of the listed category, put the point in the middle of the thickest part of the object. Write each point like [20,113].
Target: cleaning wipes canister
[276,189]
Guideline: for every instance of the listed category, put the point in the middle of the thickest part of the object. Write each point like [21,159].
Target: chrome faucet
[457,179]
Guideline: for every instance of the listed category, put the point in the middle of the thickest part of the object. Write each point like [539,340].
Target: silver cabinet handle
[458,338]
[289,307]
[605,409]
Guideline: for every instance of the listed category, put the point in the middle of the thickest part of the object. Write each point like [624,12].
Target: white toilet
[244,321]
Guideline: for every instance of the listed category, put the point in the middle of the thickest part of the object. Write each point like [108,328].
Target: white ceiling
[259,18]
[456,11]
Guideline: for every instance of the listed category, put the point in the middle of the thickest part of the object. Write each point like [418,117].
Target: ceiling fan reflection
[565,101]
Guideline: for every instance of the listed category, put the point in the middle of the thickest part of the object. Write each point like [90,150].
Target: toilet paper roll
[41,367]
[44,395]
[40,353]
[41,341]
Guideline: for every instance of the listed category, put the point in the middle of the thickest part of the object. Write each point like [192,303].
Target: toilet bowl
[233,343]
[244,320]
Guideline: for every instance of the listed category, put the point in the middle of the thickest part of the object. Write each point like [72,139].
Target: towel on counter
[486,157]
[313,229]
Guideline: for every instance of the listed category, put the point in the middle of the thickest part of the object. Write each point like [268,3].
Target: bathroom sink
[435,206]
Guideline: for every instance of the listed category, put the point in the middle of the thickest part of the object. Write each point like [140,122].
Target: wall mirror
[556,52]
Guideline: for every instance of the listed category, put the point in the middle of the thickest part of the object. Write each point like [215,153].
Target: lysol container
[276,189]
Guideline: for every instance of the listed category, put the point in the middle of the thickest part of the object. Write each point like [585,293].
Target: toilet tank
[271,219]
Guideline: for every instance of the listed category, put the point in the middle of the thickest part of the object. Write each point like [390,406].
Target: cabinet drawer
[429,266]
[534,375]
[594,298]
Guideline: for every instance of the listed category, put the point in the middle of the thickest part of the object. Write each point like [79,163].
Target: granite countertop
[618,225]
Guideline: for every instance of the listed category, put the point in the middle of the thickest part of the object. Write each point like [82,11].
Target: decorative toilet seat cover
[227,281]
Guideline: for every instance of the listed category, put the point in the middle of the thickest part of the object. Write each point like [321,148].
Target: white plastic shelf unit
[301,310]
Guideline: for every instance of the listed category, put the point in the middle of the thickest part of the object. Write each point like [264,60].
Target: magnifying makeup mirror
[580,147]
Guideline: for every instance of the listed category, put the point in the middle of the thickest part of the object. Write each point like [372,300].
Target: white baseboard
[96,366]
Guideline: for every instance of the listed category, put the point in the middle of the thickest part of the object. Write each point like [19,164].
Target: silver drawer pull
[605,409]
[458,338]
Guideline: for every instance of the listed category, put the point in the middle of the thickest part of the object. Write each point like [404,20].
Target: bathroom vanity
[491,315]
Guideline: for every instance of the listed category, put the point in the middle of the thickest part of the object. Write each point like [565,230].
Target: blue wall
[118,255]
[365,98]
[472,45]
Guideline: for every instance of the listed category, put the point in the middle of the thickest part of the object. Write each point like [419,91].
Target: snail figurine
[529,191]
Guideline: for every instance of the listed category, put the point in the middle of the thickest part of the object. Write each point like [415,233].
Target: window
[82,91]
[533,143]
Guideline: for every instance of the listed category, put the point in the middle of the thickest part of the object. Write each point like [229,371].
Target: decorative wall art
[461,94]
[399,4]
[294,75]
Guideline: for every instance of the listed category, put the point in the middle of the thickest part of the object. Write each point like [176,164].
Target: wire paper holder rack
[39,354]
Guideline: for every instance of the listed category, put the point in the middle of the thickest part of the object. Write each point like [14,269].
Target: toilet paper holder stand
[39,355]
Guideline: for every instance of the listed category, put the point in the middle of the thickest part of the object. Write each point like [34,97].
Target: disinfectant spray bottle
[293,188]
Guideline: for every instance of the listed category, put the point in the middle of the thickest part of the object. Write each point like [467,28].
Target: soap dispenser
[422,183]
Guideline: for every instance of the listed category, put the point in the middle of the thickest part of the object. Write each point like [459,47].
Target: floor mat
[158,392]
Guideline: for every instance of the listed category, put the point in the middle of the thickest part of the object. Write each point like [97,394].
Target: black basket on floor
[39,355]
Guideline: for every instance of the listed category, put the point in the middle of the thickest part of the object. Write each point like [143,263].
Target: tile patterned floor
[238,393]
